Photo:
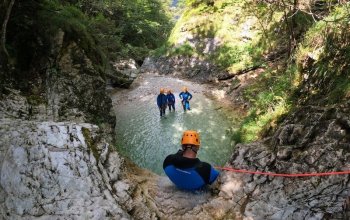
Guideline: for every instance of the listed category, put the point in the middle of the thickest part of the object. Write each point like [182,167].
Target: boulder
[123,73]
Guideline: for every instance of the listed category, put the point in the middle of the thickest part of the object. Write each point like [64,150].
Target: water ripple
[147,139]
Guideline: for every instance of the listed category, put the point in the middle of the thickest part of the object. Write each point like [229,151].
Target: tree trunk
[289,27]
[3,29]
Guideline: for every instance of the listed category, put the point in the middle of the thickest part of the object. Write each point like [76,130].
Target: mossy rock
[36,100]
[90,143]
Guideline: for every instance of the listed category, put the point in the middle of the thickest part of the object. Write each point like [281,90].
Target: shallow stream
[146,138]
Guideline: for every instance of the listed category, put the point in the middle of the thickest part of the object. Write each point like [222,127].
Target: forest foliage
[314,70]
[302,46]
[107,29]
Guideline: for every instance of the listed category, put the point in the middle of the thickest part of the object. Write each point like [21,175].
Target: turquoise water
[147,139]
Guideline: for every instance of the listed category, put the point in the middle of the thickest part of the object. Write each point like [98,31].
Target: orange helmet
[190,137]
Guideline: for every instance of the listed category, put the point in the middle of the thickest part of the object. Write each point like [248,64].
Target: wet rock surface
[155,197]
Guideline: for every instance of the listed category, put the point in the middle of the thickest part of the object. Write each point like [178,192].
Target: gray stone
[190,67]
[316,143]
[54,175]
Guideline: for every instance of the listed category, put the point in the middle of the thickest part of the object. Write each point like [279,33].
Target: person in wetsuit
[171,100]
[184,169]
[185,97]
[162,102]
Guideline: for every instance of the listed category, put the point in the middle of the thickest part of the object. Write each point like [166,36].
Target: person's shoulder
[170,156]
[204,170]
[169,160]
[204,165]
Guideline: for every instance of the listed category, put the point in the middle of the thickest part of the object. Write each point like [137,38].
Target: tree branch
[4,27]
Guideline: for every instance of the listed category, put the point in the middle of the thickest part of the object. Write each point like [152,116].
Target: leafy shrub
[184,50]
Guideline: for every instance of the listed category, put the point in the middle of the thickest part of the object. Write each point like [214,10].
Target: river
[146,138]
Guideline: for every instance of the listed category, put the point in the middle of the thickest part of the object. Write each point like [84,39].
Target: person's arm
[189,96]
[204,169]
[169,160]
[213,175]
[158,101]
[180,95]
[173,97]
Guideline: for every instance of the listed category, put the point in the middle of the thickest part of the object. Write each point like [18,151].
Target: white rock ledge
[48,170]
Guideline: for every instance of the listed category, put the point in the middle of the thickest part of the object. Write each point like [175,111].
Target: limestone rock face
[313,139]
[190,67]
[54,162]
[76,90]
[13,105]
[50,170]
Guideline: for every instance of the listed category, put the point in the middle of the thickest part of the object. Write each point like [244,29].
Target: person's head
[184,89]
[170,91]
[190,143]
[161,91]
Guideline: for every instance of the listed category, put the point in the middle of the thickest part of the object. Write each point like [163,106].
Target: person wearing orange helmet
[184,169]
[185,97]
[162,102]
[171,100]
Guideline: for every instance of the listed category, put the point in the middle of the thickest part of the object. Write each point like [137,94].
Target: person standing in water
[184,169]
[162,102]
[171,100]
[185,97]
